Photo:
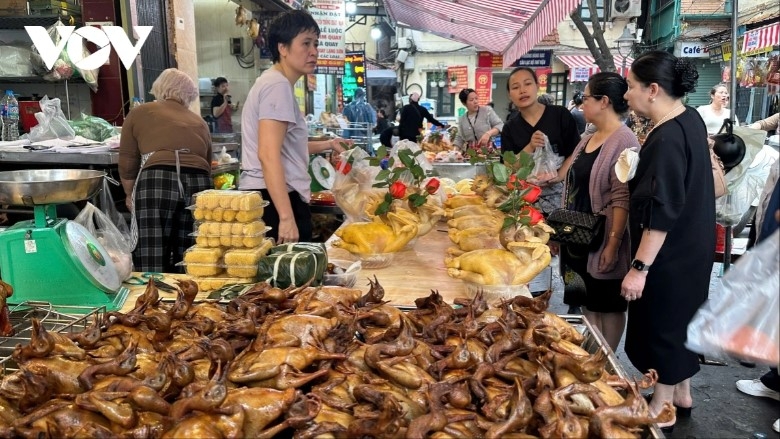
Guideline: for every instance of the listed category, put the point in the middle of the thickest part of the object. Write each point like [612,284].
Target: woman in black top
[526,131]
[412,116]
[671,218]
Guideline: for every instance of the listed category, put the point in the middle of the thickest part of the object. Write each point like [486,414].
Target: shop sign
[103,37]
[579,74]
[690,49]
[490,60]
[461,74]
[330,16]
[716,54]
[534,58]
[726,48]
[354,73]
[483,84]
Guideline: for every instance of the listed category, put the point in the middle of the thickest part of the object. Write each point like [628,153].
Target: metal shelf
[20,21]
[36,80]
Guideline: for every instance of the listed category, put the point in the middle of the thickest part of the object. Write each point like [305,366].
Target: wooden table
[414,273]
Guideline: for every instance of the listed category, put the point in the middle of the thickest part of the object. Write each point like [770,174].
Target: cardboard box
[13,8]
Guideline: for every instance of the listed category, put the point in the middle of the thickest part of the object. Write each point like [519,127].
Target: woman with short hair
[164,158]
[274,136]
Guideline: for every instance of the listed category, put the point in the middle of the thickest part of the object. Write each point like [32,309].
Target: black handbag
[577,228]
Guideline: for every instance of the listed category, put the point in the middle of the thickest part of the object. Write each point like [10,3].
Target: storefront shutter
[709,75]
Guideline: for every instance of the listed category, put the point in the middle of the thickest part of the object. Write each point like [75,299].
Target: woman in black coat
[412,116]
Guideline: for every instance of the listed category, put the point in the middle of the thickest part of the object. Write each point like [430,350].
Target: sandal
[682,412]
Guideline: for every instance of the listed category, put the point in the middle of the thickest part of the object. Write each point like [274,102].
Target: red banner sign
[490,60]
[461,76]
[484,84]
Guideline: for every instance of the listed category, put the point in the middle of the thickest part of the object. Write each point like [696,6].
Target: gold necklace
[663,119]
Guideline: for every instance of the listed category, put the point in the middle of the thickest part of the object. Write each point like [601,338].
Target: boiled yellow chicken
[492,222]
[470,209]
[539,232]
[517,266]
[463,200]
[473,238]
[376,236]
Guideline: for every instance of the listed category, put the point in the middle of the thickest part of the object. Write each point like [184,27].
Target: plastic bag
[546,164]
[63,68]
[353,185]
[52,123]
[110,237]
[742,318]
[92,127]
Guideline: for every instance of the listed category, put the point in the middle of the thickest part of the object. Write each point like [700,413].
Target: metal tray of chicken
[593,342]
[60,319]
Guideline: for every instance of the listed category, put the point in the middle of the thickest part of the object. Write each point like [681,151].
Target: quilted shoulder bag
[577,228]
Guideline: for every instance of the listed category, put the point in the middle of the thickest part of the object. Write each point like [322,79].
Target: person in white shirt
[717,110]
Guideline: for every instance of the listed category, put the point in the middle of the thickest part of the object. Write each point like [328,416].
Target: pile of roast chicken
[324,362]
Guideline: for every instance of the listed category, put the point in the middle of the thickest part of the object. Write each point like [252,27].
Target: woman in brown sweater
[164,158]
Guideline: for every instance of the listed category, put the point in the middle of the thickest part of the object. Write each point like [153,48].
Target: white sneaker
[776,425]
[757,388]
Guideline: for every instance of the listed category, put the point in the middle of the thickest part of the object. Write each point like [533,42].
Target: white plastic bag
[546,164]
[52,123]
[353,185]
[742,318]
[116,242]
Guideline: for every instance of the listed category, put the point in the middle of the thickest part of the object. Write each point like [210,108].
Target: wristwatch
[638,265]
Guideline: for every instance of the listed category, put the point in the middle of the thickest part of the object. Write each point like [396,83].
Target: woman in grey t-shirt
[275,146]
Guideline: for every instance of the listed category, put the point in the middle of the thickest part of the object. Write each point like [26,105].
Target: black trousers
[301,212]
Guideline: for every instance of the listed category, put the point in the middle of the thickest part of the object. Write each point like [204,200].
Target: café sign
[691,49]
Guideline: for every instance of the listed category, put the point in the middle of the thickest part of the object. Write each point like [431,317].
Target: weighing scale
[52,259]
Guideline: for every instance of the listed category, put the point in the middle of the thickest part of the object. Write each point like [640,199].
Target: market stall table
[413,273]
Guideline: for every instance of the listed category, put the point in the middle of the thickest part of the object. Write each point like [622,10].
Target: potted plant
[442,82]
[434,80]
[453,80]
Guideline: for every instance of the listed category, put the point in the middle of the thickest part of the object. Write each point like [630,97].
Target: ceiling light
[351,8]
[376,33]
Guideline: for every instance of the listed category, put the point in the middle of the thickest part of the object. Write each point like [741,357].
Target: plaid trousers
[164,223]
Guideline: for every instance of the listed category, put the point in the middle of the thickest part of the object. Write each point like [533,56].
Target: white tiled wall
[215,26]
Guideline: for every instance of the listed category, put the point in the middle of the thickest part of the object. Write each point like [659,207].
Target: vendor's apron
[133,220]
[225,121]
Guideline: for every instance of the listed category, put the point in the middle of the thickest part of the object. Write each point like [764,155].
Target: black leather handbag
[577,228]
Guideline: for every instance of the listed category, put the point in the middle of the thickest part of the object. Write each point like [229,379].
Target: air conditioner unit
[625,8]
[401,57]
[403,43]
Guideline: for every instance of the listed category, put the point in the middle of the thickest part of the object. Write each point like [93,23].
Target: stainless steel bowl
[48,186]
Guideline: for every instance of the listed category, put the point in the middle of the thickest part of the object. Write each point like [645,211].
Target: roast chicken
[278,362]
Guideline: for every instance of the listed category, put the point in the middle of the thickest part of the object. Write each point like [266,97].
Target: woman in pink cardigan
[593,187]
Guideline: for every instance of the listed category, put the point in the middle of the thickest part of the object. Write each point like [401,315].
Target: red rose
[532,193]
[532,214]
[513,183]
[432,186]
[397,189]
